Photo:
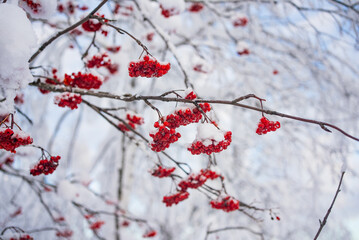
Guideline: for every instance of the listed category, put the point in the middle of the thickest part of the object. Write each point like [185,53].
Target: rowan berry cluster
[265,126]
[199,68]
[45,166]
[240,22]
[53,81]
[67,99]
[148,68]
[33,5]
[98,61]
[187,116]
[11,139]
[149,234]
[162,172]
[197,180]
[114,49]
[82,80]
[23,237]
[96,225]
[227,204]
[175,198]
[199,147]
[163,137]
[169,12]
[244,52]
[65,234]
[123,10]
[132,120]
[8,161]
[196,7]
[19,99]
[150,36]
[91,25]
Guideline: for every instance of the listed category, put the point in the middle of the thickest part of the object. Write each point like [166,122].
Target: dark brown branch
[324,221]
[132,98]
[57,35]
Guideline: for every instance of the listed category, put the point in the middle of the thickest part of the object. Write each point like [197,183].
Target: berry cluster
[162,172]
[227,204]
[45,166]
[197,180]
[149,234]
[102,61]
[67,99]
[240,22]
[148,68]
[97,225]
[70,8]
[114,49]
[275,72]
[150,36]
[265,126]
[19,99]
[98,61]
[11,139]
[187,116]
[65,234]
[163,137]
[199,68]
[196,7]
[50,81]
[244,52]
[91,26]
[85,81]
[8,161]
[175,198]
[199,147]
[169,12]
[23,237]
[123,10]
[33,5]
[132,120]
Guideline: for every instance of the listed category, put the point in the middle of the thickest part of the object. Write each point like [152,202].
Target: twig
[57,35]
[324,221]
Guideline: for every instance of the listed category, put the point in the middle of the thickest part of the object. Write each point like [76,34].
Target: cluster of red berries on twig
[168,12]
[199,68]
[244,52]
[45,166]
[70,7]
[133,120]
[199,147]
[149,234]
[162,172]
[123,10]
[33,5]
[187,116]
[102,60]
[240,22]
[148,68]
[23,237]
[53,81]
[265,126]
[175,198]
[82,80]
[227,204]
[96,225]
[163,137]
[65,233]
[91,25]
[114,49]
[8,161]
[10,139]
[197,180]
[67,99]
[196,7]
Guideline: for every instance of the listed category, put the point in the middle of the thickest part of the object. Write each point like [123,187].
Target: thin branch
[324,221]
[132,98]
[57,35]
